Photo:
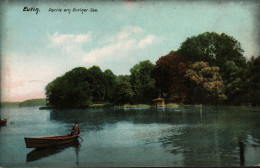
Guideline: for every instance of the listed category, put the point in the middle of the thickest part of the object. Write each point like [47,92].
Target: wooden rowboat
[3,122]
[39,142]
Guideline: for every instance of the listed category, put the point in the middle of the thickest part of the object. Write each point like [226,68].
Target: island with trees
[209,68]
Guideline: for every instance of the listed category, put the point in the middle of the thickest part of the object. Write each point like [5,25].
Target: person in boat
[75,130]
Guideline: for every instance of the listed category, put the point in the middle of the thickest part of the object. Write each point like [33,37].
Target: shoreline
[142,106]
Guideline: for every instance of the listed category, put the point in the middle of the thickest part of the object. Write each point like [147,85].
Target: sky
[38,47]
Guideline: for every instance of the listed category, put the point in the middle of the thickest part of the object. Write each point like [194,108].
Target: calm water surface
[184,136]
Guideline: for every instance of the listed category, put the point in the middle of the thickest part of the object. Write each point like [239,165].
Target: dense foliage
[209,68]
[207,83]
[82,87]
[253,81]
[223,51]
[142,83]
[124,93]
[71,89]
[110,85]
[213,48]
[220,51]
[169,75]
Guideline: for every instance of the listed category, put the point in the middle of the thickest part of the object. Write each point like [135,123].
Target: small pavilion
[159,102]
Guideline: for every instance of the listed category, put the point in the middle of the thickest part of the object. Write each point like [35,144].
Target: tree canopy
[69,90]
[207,68]
[124,93]
[169,75]
[142,83]
[218,50]
[206,83]
[110,85]
[213,48]
[253,82]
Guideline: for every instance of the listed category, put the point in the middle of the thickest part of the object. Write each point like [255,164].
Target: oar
[80,138]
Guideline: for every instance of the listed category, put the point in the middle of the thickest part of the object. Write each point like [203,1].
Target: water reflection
[40,153]
[214,141]
[101,116]
[183,136]
[252,150]
[205,136]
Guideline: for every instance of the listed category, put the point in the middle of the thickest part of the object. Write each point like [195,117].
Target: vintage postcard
[120,83]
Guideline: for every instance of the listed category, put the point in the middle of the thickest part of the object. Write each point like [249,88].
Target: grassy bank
[101,105]
[136,105]
[89,106]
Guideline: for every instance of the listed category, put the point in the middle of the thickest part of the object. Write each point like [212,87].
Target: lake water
[183,136]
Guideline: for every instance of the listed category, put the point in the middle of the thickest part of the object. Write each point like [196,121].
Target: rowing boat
[3,122]
[39,142]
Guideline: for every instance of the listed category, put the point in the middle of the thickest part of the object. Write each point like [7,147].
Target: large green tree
[124,93]
[70,90]
[121,78]
[81,87]
[110,85]
[142,83]
[253,82]
[97,83]
[235,83]
[214,48]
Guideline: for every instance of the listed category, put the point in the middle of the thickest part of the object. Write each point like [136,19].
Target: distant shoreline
[41,103]
[145,106]
[26,103]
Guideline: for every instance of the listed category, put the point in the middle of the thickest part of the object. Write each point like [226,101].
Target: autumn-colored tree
[169,75]
[206,83]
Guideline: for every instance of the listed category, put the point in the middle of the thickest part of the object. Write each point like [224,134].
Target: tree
[81,87]
[110,85]
[169,75]
[124,92]
[70,90]
[236,81]
[142,83]
[96,79]
[223,51]
[206,83]
[122,78]
[216,49]
[254,81]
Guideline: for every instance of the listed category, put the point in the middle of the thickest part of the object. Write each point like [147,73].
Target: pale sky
[37,48]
